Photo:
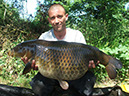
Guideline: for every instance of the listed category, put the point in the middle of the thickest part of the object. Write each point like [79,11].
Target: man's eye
[60,16]
[52,18]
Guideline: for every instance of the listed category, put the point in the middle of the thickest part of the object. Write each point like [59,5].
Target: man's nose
[56,20]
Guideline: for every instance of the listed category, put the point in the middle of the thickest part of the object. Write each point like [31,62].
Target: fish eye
[20,47]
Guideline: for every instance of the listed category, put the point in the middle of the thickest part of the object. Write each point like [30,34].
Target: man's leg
[85,84]
[42,86]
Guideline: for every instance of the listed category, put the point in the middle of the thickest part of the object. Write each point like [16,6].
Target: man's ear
[66,17]
[49,20]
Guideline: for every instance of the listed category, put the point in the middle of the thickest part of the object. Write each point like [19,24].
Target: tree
[102,22]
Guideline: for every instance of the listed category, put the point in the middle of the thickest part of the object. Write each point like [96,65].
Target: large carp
[62,60]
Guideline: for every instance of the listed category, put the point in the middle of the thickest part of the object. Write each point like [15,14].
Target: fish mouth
[11,53]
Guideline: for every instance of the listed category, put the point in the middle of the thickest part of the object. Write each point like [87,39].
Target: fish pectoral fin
[64,85]
[27,68]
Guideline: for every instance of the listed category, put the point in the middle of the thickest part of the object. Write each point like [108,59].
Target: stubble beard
[60,29]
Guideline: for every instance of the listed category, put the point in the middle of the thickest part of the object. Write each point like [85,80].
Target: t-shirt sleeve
[81,38]
[41,36]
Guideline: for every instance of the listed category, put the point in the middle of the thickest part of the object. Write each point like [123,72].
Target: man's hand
[92,64]
[33,66]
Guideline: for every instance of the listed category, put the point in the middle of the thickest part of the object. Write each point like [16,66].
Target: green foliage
[11,68]
[102,22]
[40,23]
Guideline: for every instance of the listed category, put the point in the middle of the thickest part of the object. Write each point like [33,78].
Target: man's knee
[85,84]
[41,85]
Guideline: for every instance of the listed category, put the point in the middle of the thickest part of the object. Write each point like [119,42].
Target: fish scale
[62,60]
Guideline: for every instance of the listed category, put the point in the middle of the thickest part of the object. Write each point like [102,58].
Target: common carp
[62,60]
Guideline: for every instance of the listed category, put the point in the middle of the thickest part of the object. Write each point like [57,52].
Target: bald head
[56,6]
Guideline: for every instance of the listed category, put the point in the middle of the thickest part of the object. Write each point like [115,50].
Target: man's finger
[33,64]
[23,60]
[97,62]
[26,59]
[93,65]
[89,65]
[36,67]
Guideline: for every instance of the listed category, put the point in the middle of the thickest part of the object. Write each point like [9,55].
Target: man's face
[57,18]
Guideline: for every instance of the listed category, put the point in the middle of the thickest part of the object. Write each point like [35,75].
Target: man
[44,86]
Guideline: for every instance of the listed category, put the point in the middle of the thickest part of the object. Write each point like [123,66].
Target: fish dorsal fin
[64,85]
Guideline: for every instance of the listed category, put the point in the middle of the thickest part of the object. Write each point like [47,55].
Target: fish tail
[27,68]
[111,67]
